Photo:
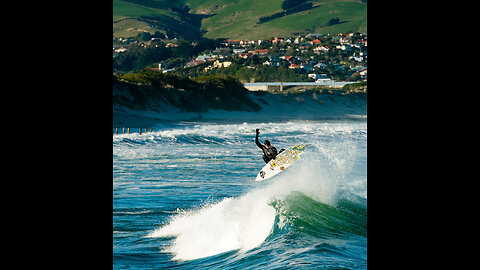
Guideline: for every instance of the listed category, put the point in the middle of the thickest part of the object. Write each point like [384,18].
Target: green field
[123,9]
[131,17]
[237,19]
[352,17]
[127,22]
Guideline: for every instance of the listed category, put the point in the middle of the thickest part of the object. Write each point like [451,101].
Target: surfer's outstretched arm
[256,139]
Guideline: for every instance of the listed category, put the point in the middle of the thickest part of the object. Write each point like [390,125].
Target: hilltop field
[246,19]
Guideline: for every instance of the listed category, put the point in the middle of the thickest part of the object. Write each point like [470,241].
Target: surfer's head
[267,143]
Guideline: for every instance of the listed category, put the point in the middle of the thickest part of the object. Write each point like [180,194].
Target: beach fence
[127,130]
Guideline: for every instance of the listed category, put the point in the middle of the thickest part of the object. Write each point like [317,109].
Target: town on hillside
[311,57]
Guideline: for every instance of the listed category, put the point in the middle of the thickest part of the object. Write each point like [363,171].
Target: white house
[320,66]
[237,51]
[204,58]
[120,50]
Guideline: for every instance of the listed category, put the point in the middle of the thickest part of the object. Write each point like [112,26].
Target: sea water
[184,197]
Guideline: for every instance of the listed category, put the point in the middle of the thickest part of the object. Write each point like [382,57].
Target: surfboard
[280,163]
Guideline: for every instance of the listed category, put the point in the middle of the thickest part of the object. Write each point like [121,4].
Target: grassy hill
[239,19]
[131,17]
[236,19]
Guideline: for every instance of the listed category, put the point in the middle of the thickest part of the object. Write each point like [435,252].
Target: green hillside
[238,19]
[131,17]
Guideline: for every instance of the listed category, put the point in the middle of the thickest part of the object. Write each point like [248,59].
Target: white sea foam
[234,223]
[245,222]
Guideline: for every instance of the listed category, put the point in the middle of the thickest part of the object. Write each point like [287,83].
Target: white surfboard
[280,163]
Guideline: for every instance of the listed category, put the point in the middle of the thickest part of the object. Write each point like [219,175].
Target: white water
[241,223]
[244,223]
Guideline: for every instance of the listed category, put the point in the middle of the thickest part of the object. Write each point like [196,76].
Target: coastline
[274,107]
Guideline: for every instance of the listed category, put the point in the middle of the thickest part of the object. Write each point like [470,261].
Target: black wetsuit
[268,153]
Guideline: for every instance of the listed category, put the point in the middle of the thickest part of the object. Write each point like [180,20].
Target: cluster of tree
[138,57]
[261,73]
[288,4]
[333,21]
[146,36]
[205,92]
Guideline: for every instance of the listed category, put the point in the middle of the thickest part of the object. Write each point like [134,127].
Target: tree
[287,4]
[144,36]
[333,21]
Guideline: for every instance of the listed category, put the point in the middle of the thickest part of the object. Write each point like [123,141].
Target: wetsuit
[268,153]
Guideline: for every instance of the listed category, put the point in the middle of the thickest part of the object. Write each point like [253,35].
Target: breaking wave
[306,199]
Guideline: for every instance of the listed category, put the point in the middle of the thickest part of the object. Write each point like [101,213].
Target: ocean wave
[245,223]
[238,134]
[313,213]
[323,220]
[304,199]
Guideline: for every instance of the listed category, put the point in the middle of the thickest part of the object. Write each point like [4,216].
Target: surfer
[269,151]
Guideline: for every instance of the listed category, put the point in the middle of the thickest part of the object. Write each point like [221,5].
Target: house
[312,76]
[273,61]
[287,58]
[194,63]
[260,52]
[171,45]
[168,70]
[345,40]
[294,66]
[237,51]
[120,50]
[221,64]
[321,49]
[358,68]
[315,35]
[233,42]
[254,42]
[246,55]
[344,47]
[320,66]
[307,67]
[204,58]
[321,80]
[363,73]
[358,58]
